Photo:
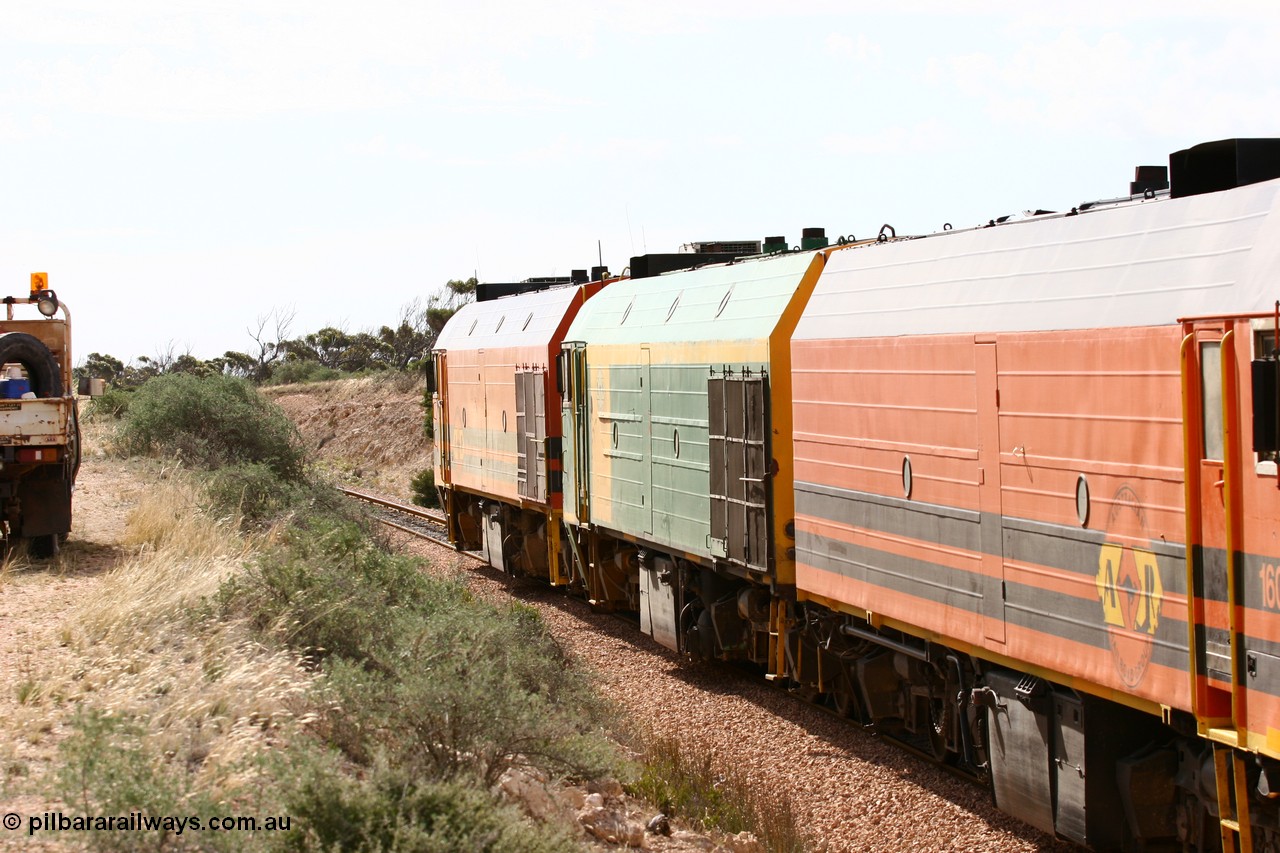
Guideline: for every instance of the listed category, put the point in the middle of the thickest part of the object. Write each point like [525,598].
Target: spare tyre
[42,369]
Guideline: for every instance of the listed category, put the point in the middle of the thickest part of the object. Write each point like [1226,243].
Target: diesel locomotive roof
[529,319]
[739,301]
[1143,263]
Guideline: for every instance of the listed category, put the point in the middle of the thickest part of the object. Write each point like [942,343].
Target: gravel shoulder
[37,600]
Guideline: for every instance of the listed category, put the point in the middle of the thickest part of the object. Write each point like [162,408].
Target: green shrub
[423,486]
[395,813]
[328,590]
[297,372]
[445,686]
[210,422]
[113,403]
[252,489]
[478,691]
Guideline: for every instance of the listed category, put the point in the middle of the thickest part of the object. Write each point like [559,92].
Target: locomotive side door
[1209,475]
[440,417]
[575,429]
[990,503]
[646,442]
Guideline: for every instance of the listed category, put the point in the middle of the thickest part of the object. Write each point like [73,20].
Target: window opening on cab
[1211,400]
[1265,371]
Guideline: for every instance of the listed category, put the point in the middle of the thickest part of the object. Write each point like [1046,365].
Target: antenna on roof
[599,253]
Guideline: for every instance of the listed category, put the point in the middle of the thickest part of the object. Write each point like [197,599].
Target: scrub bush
[442,685]
[210,422]
[423,486]
[298,372]
[394,812]
[113,403]
[251,490]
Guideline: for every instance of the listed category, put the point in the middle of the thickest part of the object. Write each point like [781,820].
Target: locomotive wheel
[42,370]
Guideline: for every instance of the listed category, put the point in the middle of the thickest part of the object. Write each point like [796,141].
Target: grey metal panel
[733,302]
[529,319]
[531,435]
[719,475]
[658,608]
[492,543]
[1262,670]
[538,388]
[739,469]
[522,426]
[1020,744]
[1069,765]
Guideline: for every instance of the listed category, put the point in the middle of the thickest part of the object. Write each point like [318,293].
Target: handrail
[1231,506]
[1191,506]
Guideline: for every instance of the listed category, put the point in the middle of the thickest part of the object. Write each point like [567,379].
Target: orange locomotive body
[1036,521]
[497,458]
[1037,505]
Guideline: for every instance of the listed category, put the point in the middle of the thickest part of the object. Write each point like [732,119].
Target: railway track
[415,520]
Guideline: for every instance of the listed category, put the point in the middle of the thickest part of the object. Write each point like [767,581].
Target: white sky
[181,168]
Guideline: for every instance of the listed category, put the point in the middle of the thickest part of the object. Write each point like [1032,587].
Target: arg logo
[1129,588]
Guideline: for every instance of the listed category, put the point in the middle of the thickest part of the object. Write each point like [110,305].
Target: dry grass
[146,647]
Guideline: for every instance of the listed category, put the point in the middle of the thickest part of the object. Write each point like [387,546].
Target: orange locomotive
[496,453]
[1033,472]
[1037,504]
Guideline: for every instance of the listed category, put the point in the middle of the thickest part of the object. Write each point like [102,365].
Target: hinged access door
[574,428]
[990,500]
[531,435]
[440,419]
[1209,394]
[739,456]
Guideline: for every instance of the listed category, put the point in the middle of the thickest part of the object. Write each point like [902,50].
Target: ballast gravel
[849,790]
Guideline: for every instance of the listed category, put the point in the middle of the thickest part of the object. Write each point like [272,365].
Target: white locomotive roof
[1143,263]
[526,319]
[738,301]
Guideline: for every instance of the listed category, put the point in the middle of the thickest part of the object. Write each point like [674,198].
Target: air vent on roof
[741,248]
[488,290]
[1149,178]
[1222,165]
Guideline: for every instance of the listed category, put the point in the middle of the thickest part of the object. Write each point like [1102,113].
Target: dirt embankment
[368,431]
